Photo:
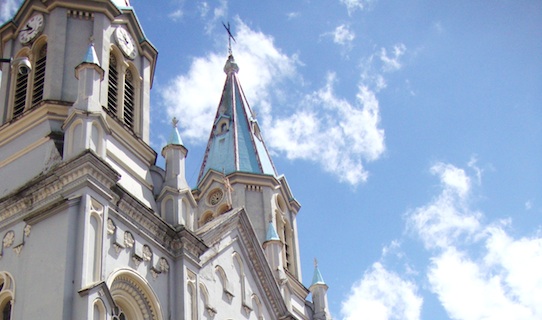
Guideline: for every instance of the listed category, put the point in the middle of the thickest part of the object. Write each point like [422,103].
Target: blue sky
[410,132]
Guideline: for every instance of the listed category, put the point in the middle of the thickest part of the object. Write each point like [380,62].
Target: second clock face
[32,28]
[125,42]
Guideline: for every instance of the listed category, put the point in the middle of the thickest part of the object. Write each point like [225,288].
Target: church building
[91,227]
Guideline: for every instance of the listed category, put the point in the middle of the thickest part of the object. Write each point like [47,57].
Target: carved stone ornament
[147,253]
[154,273]
[27,229]
[110,227]
[128,240]
[212,311]
[8,239]
[117,247]
[18,248]
[137,260]
[164,265]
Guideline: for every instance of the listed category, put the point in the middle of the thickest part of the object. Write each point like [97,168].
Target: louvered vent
[129,100]
[21,87]
[39,76]
[112,89]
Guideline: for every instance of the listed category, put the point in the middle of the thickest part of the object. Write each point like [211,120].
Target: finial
[174,122]
[315,263]
[230,37]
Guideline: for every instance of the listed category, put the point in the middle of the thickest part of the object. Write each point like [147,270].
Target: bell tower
[48,44]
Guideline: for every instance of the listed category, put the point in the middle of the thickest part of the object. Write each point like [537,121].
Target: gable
[235,271]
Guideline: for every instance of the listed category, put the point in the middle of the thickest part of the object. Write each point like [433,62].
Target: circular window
[215,197]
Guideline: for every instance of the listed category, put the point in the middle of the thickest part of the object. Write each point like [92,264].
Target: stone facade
[91,228]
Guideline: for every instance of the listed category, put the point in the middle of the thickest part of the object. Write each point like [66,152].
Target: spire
[235,143]
[174,136]
[91,56]
[271,232]
[90,60]
[317,277]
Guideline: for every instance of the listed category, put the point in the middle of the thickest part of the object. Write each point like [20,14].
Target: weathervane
[230,36]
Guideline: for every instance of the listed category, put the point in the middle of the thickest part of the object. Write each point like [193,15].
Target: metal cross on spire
[230,36]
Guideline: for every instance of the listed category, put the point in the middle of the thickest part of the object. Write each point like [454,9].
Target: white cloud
[447,217]
[292,15]
[391,62]
[476,270]
[323,128]
[353,5]
[329,130]
[343,35]
[500,279]
[382,294]
[8,9]
[470,290]
[176,15]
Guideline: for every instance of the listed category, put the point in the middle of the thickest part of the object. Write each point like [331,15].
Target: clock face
[32,28]
[125,42]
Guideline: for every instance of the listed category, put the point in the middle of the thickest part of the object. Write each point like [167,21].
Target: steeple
[235,143]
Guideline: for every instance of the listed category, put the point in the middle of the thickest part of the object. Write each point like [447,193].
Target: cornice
[48,111]
[176,241]
[56,184]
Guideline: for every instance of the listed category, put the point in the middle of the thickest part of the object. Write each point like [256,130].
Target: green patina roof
[235,143]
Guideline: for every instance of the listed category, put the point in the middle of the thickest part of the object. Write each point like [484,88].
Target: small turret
[177,202]
[90,74]
[85,128]
[318,289]
[175,154]
[273,249]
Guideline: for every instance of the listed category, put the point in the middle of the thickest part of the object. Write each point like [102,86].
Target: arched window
[288,247]
[39,74]
[21,89]
[206,217]
[7,289]
[129,99]
[122,90]
[113,84]
[133,297]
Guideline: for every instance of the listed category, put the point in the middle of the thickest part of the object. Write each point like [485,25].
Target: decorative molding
[147,253]
[52,186]
[79,14]
[27,230]
[8,239]
[164,265]
[128,239]
[111,227]
[18,249]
